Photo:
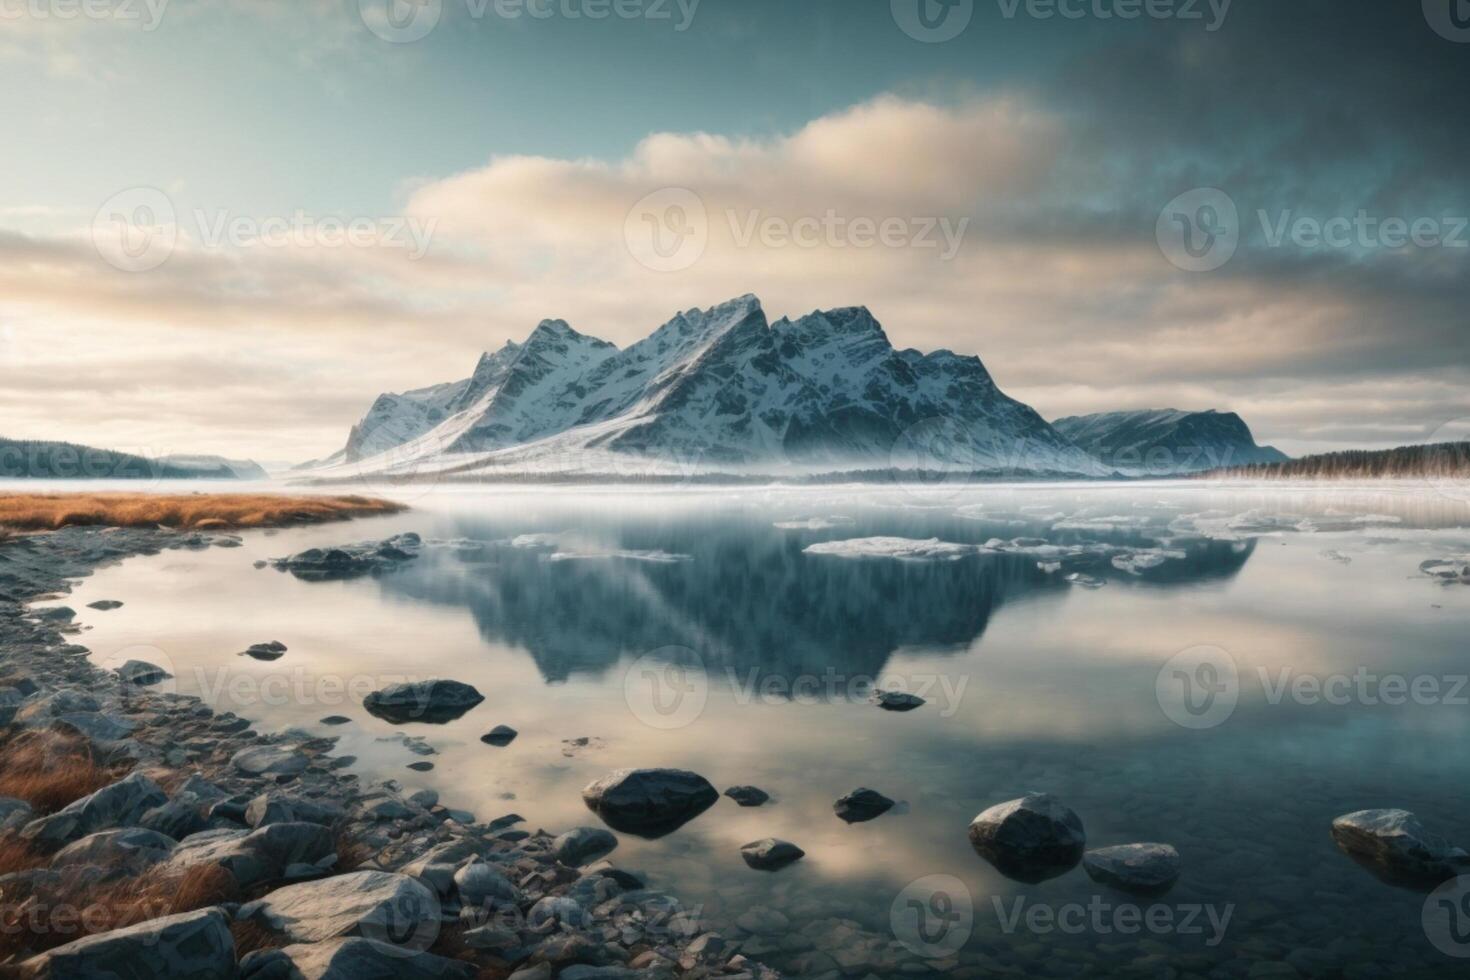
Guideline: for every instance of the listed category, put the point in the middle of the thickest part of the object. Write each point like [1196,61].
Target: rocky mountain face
[1167,441]
[716,389]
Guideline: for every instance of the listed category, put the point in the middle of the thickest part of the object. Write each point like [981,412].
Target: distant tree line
[1444,460]
[33,460]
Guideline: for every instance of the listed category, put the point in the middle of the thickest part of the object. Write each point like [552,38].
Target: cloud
[1005,242]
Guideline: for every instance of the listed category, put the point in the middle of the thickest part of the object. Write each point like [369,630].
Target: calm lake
[739,634]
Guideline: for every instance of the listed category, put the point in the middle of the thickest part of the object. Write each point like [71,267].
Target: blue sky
[519,145]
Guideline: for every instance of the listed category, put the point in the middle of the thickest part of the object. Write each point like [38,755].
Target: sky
[227,225]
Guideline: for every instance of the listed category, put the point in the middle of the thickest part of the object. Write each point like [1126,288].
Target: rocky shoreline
[325,876]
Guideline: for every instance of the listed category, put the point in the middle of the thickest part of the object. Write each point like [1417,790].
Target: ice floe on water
[902,549]
[565,548]
[1332,554]
[1141,560]
[1455,568]
[815,523]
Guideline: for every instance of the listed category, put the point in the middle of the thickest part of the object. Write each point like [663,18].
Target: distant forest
[1442,460]
[25,459]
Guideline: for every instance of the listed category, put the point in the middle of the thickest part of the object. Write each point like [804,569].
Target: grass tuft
[50,769]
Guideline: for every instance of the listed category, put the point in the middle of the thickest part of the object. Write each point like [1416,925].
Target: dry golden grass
[49,769]
[203,511]
[43,915]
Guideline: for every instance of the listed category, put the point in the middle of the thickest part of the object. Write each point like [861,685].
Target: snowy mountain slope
[712,389]
[1164,441]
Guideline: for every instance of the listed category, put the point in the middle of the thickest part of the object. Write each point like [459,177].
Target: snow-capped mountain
[711,390]
[1160,442]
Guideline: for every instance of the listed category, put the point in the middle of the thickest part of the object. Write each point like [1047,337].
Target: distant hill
[1442,460]
[22,459]
[1167,441]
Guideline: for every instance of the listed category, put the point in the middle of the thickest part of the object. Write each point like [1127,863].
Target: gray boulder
[862,805]
[257,856]
[191,946]
[275,807]
[269,760]
[176,818]
[1395,846]
[748,795]
[1030,839]
[583,845]
[1144,869]
[771,854]
[14,813]
[38,712]
[130,850]
[121,804]
[649,802]
[897,700]
[482,885]
[433,702]
[95,725]
[372,904]
[142,673]
[350,959]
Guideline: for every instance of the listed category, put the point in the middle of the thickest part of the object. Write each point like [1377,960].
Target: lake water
[688,629]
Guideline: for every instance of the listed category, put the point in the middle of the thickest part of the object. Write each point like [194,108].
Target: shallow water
[1033,684]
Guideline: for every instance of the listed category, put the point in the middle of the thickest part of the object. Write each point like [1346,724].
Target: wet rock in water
[272,650]
[1396,847]
[434,702]
[335,720]
[862,805]
[649,803]
[583,845]
[130,850]
[897,700]
[771,854]
[105,605]
[142,673]
[122,804]
[1030,839]
[748,795]
[1145,869]
[351,561]
[352,958]
[372,904]
[194,944]
[499,736]
[269,760]
[421,766]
